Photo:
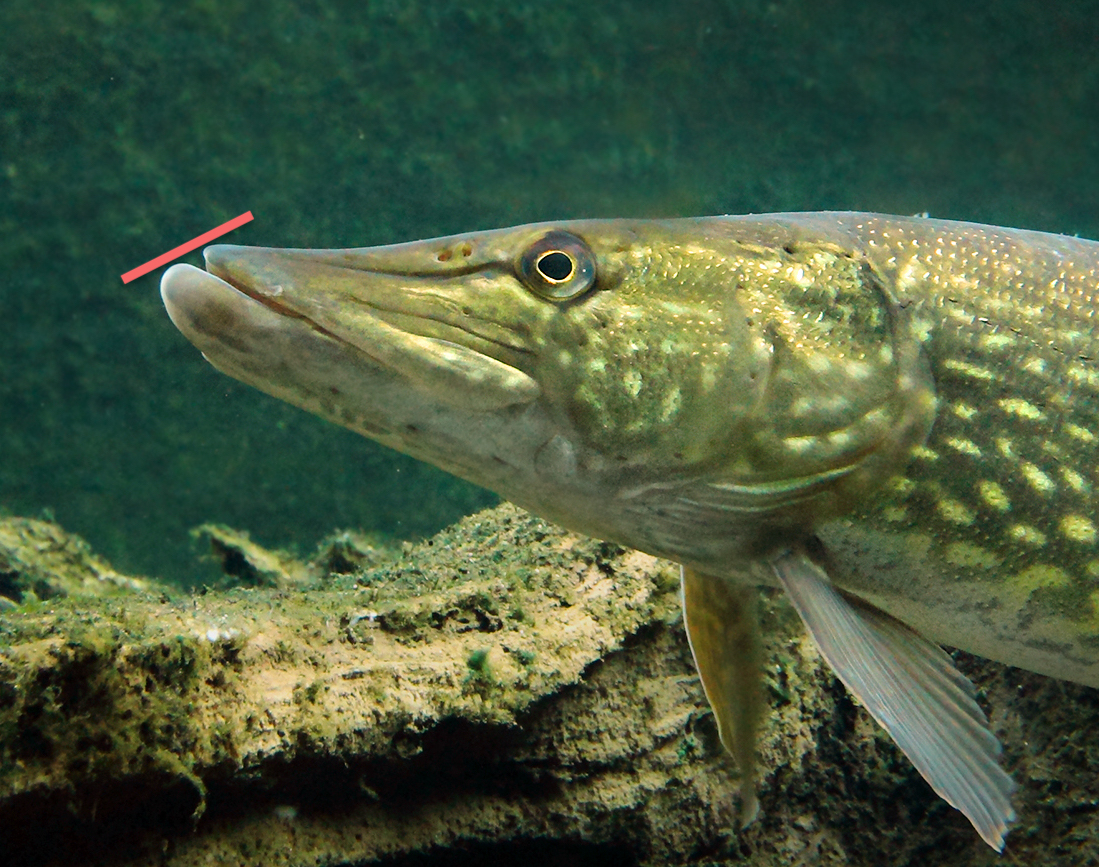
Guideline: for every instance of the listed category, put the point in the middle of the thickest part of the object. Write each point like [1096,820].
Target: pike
[893,419]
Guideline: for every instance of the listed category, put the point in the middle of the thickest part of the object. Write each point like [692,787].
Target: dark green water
[128,128]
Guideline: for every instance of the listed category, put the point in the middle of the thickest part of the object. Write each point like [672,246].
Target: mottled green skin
[989,541]
[728,386]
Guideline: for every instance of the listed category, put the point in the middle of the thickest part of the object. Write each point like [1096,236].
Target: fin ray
[723,630]
[911,687]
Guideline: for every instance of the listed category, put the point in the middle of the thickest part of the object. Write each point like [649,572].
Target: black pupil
[555,266]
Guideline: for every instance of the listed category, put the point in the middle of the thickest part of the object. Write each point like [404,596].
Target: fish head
[687,387]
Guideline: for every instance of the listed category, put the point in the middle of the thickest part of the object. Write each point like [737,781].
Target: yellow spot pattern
[1028,535]
[973,371]
[994,495]
[955,512]
[1037,479]
[1080,433]
[1077,528]
[1021,408]
[966,447]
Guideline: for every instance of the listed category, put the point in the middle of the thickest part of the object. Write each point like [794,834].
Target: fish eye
[558,266]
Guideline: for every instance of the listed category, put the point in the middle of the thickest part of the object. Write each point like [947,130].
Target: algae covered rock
[40,560]
[503,691]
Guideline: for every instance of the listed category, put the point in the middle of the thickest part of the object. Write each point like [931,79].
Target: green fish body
[894,419]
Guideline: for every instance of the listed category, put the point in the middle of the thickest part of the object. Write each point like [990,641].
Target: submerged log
[504,691]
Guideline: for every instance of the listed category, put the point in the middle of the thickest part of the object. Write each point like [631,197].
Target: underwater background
[127,128]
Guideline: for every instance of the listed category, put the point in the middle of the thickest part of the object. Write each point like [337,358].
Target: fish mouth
[247,294]
[217,266]
[205,307]
[330,289]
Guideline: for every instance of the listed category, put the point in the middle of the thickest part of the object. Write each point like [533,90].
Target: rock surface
[502,692]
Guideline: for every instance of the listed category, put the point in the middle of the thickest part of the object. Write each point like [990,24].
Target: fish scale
[1001,497]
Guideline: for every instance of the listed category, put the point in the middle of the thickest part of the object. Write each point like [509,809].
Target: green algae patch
[89,703]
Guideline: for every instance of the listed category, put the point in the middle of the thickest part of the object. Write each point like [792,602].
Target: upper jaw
[472,304]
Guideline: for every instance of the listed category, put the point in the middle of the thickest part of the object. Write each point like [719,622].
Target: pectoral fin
[723,630]
[913,690]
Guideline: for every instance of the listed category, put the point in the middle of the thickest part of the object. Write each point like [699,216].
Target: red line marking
[193,244]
